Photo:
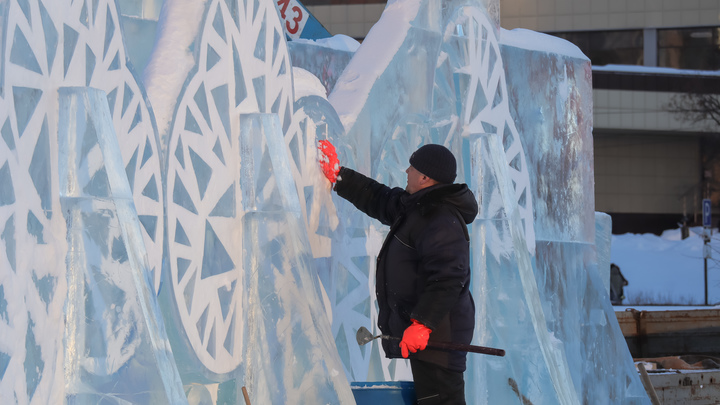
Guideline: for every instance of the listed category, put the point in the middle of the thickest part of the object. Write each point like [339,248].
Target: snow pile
[537,41]
[306,84]
[667,270]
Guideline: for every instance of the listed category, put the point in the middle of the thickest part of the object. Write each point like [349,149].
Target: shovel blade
[364,336]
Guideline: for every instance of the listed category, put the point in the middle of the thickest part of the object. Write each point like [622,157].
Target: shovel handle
[467,348]
[447,346]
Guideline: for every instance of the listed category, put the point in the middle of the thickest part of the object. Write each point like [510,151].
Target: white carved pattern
[226,40]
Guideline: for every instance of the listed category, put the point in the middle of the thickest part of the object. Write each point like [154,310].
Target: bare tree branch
[695,108]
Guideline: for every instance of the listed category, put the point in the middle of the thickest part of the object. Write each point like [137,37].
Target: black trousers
[435,385]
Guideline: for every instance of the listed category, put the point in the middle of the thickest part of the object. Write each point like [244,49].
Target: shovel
[364,336]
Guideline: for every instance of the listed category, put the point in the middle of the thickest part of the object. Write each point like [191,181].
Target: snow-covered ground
[667,270]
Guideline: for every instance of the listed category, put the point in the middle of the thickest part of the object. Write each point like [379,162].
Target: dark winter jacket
[423,268]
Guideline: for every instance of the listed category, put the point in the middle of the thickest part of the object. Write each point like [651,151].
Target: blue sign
[707,213]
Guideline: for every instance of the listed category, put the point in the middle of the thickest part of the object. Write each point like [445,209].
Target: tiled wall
[353,20]
[645,174]
[568,15]
[639,110]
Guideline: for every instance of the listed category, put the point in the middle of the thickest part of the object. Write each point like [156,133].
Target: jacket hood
[457,195]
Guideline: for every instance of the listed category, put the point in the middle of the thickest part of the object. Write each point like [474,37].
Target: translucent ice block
[509,306]
[325,63]
[291,355]
[55,44]
[115,341]
[603,243]
[552,105]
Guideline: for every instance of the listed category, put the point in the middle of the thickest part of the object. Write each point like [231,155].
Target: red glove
[414,338]
[328,160]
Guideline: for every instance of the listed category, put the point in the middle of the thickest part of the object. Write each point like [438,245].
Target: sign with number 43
[294,15]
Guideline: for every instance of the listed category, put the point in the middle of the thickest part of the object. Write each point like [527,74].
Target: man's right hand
[329,163]
[414,338]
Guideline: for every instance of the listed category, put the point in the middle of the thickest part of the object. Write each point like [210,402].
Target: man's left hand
[329,163]
[414,338]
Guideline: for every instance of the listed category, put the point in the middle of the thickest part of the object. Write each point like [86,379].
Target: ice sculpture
[554,115]
[201,184]
[116,348]
[248,292]
[503,281]
[257,247]
[287,321]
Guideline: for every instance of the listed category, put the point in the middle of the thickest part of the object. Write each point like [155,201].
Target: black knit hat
[436,162]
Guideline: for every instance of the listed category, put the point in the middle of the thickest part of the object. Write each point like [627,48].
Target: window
[689,48]
[623,47]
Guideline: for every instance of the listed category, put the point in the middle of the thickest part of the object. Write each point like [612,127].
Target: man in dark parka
[423,267]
